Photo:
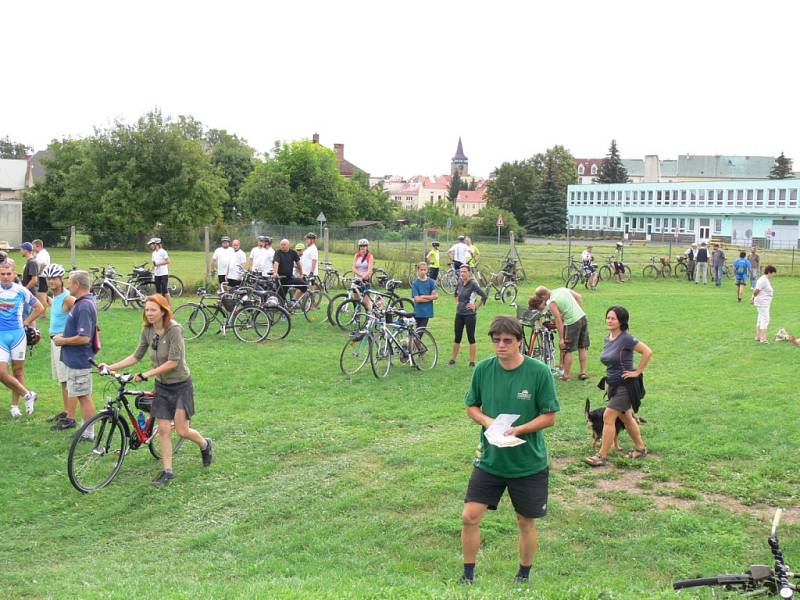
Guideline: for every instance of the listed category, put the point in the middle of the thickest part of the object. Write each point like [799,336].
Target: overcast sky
[399,82]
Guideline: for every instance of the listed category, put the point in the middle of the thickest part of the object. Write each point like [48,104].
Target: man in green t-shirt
[571,322]
[509,383]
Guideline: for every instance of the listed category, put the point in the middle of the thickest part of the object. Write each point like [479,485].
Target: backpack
[741,267]
[96,345]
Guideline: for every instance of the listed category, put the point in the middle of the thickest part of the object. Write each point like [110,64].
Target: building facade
[745,213]
[15,176]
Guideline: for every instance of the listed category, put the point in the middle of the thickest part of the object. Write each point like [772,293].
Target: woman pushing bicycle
[174,400]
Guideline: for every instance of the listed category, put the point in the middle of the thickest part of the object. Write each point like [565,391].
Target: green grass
[325,487]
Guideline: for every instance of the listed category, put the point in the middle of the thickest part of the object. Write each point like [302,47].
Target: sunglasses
[156,339]
[503,341]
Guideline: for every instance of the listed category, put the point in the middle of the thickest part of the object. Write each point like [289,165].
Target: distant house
[346,168]
[15,176]
[470,202]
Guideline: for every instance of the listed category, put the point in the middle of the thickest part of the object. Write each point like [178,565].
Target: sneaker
[61,415]
[520,579]
[163,479]
[472,365]
[467,580]
[88,435]
[63,424]
[781,334]
[208,453]
[15,412]
[451,362]
[30,399]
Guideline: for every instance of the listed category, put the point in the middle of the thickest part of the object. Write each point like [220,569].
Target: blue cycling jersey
[12,302]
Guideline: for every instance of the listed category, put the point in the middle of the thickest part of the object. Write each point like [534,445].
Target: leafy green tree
[9,149]
[547,214]
[485,222]
[235,160]
[455,187]
[369,203]
[611,169]
[782,168]
[512,187]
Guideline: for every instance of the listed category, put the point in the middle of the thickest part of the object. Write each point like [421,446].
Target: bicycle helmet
[267,239]
[460,238]
[32,335]
[225,238]
[53,270]
[299,246]
[363,242]
[155,240]
[263,238]
[311,235]
[435,243]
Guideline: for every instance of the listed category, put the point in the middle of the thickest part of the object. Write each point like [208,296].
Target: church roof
[459,152]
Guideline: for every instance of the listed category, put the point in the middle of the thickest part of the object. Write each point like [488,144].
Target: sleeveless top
[58,316]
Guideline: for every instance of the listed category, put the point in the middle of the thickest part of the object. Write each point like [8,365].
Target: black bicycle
[759,580]
[145,280]
[102,443]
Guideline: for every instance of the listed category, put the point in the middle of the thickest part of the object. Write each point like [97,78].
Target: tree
[9,149]
[782,168]
[369,203]
[234,159]
[485,222]
[611,169]
[512,187]
[548,213]
[455,187]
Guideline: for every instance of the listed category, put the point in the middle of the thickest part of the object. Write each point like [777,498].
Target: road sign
[321,217]
[449,223]
[500,222]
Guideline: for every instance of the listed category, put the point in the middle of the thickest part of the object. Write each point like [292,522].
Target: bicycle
[145,280]
[584,276]
[609,270]
[416,347]
[331,278]
[658,267]
[541,343]
[681,268]
[504,285]
[235,310]
[93,463]
[573,266]
[357,349]
[759,579]
[107,287]
[448,279]
[351,310]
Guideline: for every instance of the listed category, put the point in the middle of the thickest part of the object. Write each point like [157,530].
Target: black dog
[594,419]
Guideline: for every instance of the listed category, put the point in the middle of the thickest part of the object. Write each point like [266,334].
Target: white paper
[495,433]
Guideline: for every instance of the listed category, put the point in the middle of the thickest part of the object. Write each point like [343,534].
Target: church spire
[459,163]
[459,151]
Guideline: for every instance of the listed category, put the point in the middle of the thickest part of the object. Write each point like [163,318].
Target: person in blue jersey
[61,304]
[13,340]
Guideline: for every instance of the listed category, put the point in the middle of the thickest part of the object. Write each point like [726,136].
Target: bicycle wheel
[650,272]
[481,278]
[311,305]
[103,296]
[355,354]
[566,272]
[333,304]
[743,582]
[424,351]
[92,464]
[174,286]
[192,319]
[573,280]
[404,304]
[347,279]
[154,445]
[280,322]
[679,271]
[604,273]
[380,359]
[350,315]
[627,274]
[145,288]
[331,281]
[448,282]
[508,294]
[666,271]
[251,324]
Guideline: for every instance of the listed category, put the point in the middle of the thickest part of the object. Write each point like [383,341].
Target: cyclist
[174,400]
[269,255]
[222,258]
[62,303]
[284,264]
[433,260]
[42,259]
[363,264]
[458,253]
[474,254]
[160,260]
[741,269]
[13,339]
[467,293]
[619,267]
[237,264]
[259,255]
[589,267]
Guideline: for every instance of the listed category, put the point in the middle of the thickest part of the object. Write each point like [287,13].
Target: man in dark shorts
[509,383]
[283,265]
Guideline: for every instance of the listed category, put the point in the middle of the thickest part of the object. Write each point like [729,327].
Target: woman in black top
[467,293]
[617,356]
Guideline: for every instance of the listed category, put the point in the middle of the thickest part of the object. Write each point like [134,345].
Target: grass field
[325,487]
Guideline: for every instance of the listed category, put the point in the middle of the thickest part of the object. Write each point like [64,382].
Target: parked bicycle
[448,279]
[330,280]
[107,286]
[541,343]
[658,267]
[588,278]
[349,310]
[504,284]
[234,310]
[143,278]
[100,446]
[759,580]
[609,271]
[573,266]
[414,347]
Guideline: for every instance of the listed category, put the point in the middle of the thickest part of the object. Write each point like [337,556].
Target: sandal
[596,461]
[636,453]
[563,378]
[583,376]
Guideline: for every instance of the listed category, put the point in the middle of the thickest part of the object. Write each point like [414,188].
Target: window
[619,226]
[739,197]
[580,169]
[674,224]
[730,198]
[594,169]
[627,196]
[793,197]
[759,197]
[702,198]
[683,197]
[771,198]
[749,197]
[691,224]
[641,222]
[720,196]
[717,225]
[683,225]
[658,224]
[605,198]
[781,197]
[650,197]
[658,198]
[692,197]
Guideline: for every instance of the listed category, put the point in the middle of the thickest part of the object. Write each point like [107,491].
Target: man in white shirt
[160,260]
[221,258]
[269,256]
[258,255]
[42,259]
[588,265]
[310,258]
[236,266]
[458,253]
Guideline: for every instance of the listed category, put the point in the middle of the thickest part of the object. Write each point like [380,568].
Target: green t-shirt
[571,311]
[474,253]
[433,258]
[527,391]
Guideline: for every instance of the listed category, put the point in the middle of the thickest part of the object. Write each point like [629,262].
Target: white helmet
[363,242]
[53,270]
[155,240]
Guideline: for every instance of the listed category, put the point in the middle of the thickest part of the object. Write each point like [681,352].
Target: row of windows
[582,170]
[727,198]
[656,224]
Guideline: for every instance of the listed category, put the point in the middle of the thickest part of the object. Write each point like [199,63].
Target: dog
[594,419]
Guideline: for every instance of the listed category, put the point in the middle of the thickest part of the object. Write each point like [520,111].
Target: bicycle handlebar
[776,521]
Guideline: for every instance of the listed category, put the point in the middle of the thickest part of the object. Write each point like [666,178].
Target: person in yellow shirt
[474,254]
[432,258]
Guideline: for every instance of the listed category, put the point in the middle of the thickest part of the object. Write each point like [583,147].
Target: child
[423,291]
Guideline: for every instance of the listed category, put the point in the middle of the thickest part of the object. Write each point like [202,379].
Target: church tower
[459,163]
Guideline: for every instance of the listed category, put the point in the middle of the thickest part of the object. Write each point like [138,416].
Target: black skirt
[171,397]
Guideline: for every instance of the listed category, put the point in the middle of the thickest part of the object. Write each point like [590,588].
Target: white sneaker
[781,335]
[15,412]
[30,398]
[88,435]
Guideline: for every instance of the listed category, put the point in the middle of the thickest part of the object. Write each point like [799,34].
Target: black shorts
[457,265]
[421,321]
[161,284]
[42,281]
[528,494]
[221,278]
[433,273]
